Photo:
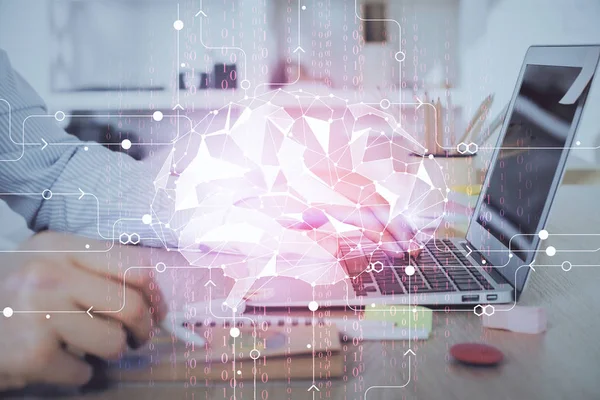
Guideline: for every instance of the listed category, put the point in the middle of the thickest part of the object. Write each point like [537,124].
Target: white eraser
[519,319]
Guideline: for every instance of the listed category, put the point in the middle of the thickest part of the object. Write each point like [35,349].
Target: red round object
[476,354]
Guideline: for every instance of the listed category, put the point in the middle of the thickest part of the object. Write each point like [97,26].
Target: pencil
[485,104]
[439,134]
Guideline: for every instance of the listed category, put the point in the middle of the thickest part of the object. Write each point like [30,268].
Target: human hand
[62,285]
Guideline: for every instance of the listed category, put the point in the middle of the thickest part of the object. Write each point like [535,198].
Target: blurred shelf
[210,99]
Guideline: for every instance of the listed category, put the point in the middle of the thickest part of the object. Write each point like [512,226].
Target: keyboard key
[442,286]
[356,265]
[464,287]
[391,288]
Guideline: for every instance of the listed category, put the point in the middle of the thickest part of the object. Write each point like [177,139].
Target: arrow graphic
[178,106]
[470,251]
[82,194]
[299,48]
[531,265]
[420,102]
[313,388]
[210,282]
[45,144]
[409,351]
[201,13]
[89,313]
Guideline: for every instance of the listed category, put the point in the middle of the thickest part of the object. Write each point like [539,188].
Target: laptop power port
[491,297]
[470,297]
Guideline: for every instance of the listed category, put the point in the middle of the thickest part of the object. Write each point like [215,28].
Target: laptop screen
[524,170]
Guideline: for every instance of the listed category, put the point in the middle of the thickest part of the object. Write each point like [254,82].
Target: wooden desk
[563,363]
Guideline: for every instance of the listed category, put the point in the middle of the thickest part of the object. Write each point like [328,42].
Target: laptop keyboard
[441,267]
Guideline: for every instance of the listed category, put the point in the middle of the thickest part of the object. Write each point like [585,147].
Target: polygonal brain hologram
[284,184]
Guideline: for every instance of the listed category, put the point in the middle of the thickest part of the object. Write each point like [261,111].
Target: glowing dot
[85,148]
[126,144]
[157,116]
[410,270]
[182,65]
[373,305]
[87,246]
[59,116]
[161,267]
[543,234]
[8,312]
[313,306]
[578,143]
[234,332]
[239,372]
[550,250]
[178,25]
[47,316]
[147,219]
[431,156]
[308,346]
[303,8]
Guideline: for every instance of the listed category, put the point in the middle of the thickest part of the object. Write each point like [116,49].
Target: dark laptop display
[531,150]
[522,180]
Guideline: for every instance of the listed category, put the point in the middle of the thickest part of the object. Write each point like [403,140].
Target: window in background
[374,24]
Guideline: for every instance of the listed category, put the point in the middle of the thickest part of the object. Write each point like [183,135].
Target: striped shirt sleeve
[45,185]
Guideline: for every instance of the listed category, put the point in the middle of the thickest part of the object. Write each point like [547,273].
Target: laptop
[491,264]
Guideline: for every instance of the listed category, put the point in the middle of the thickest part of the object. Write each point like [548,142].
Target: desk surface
[562,363]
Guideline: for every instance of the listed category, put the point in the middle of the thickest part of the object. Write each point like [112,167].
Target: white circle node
[157,116]
[147,219]
[126,144]
[543,234]
[410,270]
[313,306]
[8,312]
[254,354]
[59,116]
[550,250]
[47,194]
[385,104]
[308,346]
[566,266]
[303,8]
[178,25]
[245,84]
[234,332]
[47,316]
[400,56]
[161,267]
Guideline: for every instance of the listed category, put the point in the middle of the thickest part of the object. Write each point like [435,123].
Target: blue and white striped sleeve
[117,187]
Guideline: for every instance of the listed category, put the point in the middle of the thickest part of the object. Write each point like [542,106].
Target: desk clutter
[234,353]
[282,346]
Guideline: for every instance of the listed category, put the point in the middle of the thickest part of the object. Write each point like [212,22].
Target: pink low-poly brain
[282,180]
